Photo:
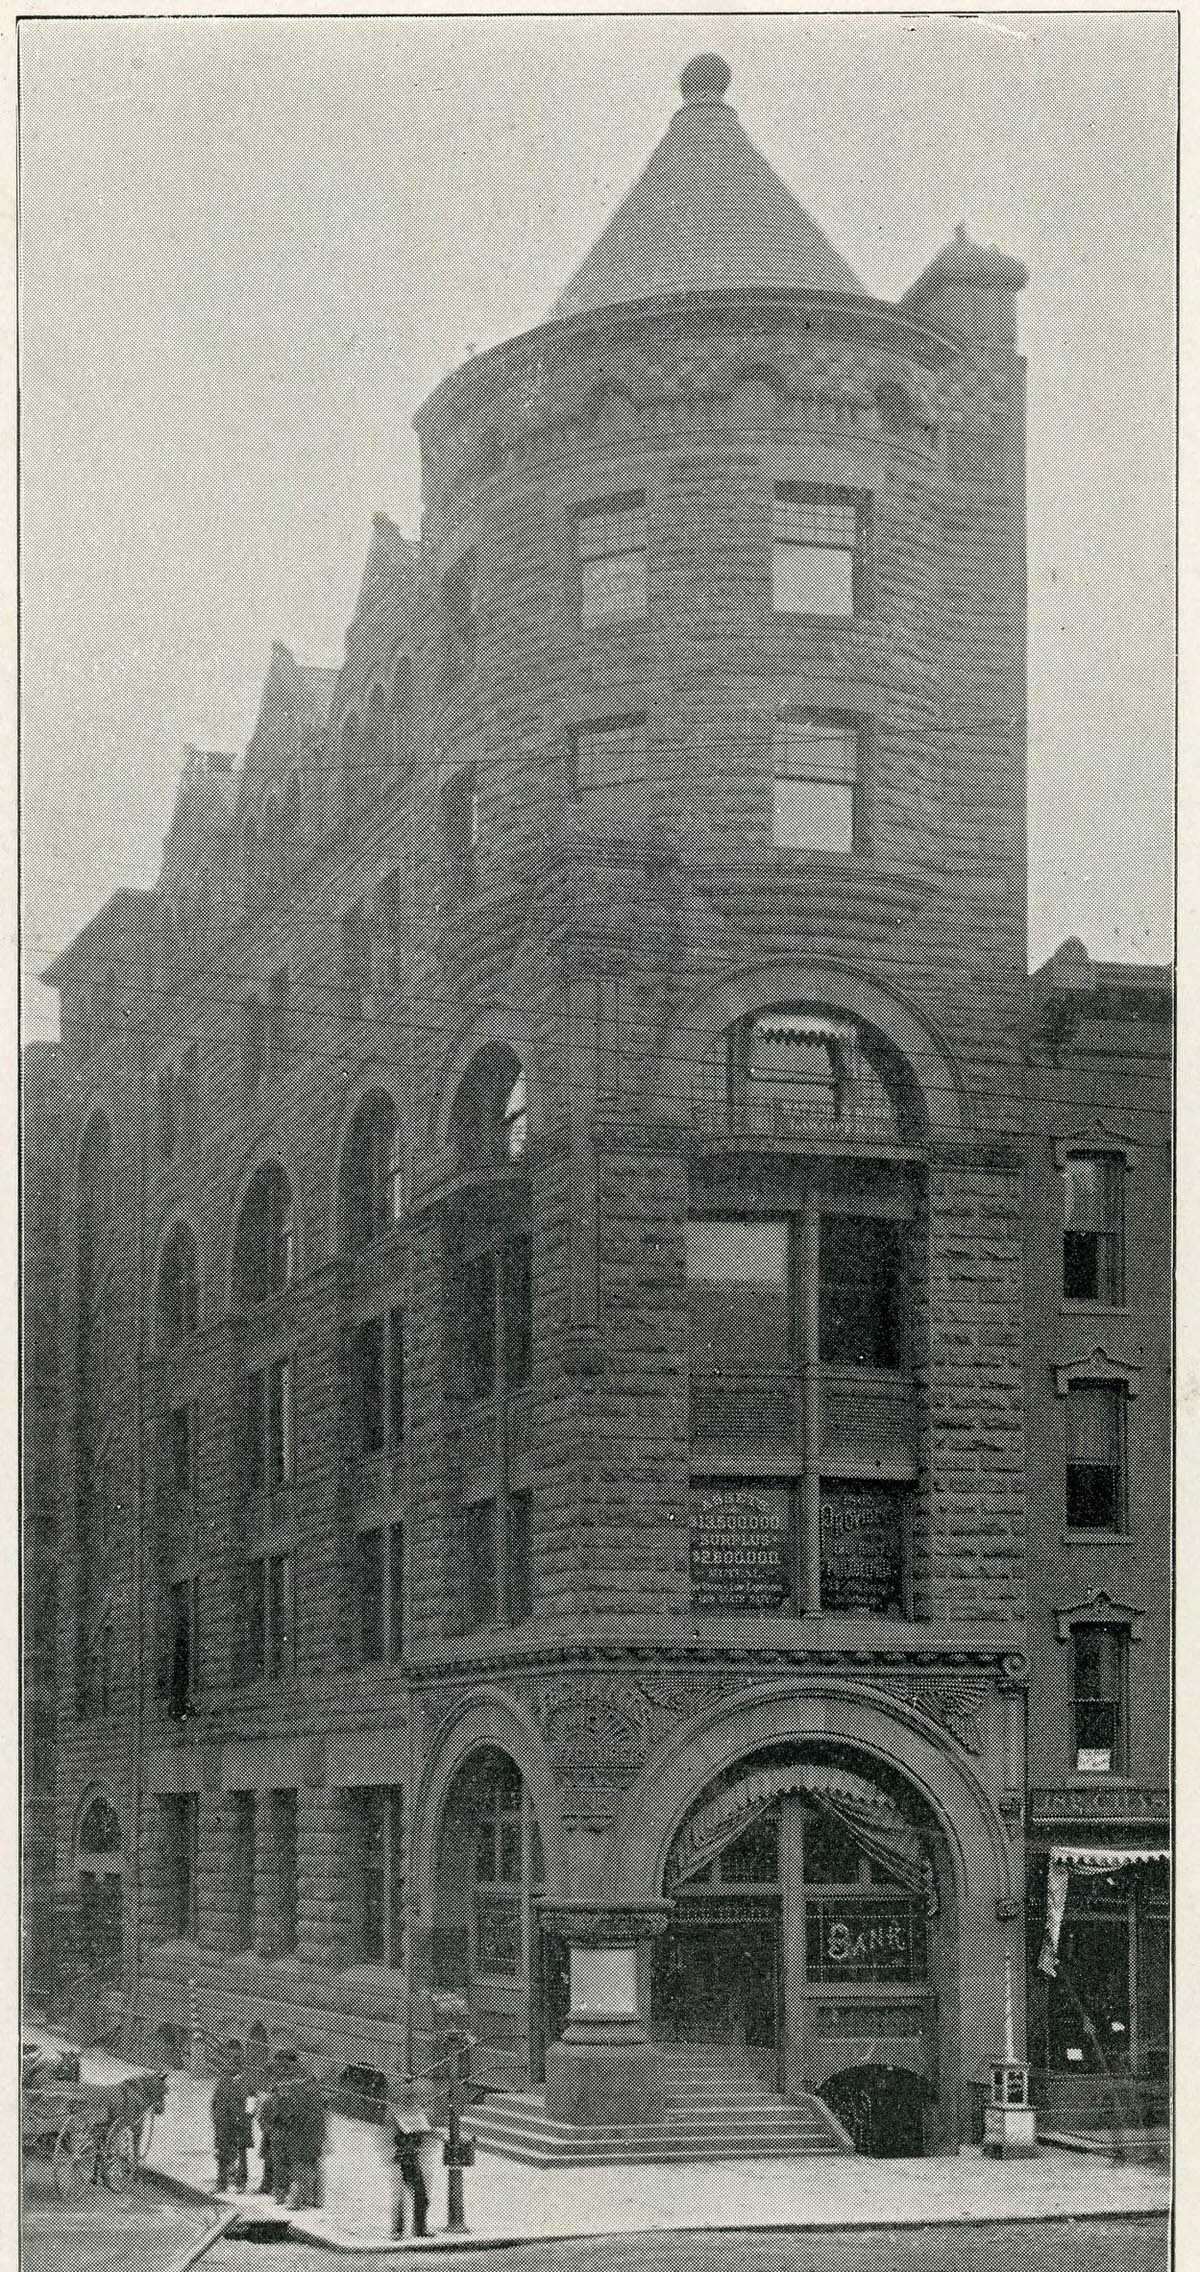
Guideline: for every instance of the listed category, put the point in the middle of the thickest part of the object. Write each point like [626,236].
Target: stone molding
[605,1925]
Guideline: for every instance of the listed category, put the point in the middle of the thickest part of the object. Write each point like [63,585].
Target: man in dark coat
[306,2134]
[412,2127]
[231,2128]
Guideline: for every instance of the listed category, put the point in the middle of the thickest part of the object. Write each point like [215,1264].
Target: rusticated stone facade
[425,1073]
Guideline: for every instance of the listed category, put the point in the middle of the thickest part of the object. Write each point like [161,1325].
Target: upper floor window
[1095,1455]
[1093,1263]
[178,1289]
[270,1426]
[270,843]
[96,1200]
[389,916]
[612,560]
[379,1581]
[489,1121]
[610,754]
[180,1816]
[265,1244]
[820,549]
[377,1383]
[372,1194]
[187,1098]
[291,820]
[460,833]
[1098,1696]
[796,1073]
[816,763]
[460,618]
[351,767]
[356,960]
[254,1045]
[251,865]
[375,755]
[270,1617]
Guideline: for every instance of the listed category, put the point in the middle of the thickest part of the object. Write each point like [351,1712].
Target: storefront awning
[1105,1858]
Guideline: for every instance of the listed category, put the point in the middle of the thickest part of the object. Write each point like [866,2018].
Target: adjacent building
[608,1427]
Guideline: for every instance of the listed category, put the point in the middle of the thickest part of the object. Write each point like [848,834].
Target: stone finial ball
[705,78]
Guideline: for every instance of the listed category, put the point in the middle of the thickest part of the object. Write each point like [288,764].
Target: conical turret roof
[707,214]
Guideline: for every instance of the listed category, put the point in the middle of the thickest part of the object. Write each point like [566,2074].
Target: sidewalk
[507,2201]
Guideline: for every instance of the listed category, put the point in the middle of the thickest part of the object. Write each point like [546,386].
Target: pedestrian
[413,2126]
[282,2158]
[231,2128]
[306,2137]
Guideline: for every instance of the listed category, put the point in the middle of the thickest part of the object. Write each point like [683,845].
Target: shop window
[612,561]
[820,551]
[610,754]
[244,1854]
[1095,1427]
[372,1194]
[286,1871]
[460,834]
[181,1833]
[817,798]
[379,1855]
[356,961]
[1098,1685]
[265,1242]
[1088,2000]
[460,619]
[178,1289]
[1094,1228]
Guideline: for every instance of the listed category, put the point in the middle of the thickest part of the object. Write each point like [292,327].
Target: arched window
[488,1124]
[799,1071]
[95,1200]
[402,694]
[351,766]
[372,1182]
[264,1255]
[100,1863]
[178,1289]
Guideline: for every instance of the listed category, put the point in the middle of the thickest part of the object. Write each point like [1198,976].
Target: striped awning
[875,1816]
[1102,1859]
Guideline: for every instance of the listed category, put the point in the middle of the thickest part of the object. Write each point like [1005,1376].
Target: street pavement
[98,2231]
[1119,2246]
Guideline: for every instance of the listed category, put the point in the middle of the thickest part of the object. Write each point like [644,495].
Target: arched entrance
[809,1940]
[100,1871]
[486,1942]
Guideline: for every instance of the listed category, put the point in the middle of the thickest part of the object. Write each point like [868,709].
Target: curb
[196,2248]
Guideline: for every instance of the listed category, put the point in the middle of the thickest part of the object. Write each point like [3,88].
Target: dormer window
[612,561]
[819,565]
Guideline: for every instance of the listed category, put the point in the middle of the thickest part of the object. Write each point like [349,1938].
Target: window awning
[1103,1859]
[870,1816]
[799,1027]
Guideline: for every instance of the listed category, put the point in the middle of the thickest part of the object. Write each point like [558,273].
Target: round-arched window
[178,1289]
[489,1120]
[264,1253]
[372,1178]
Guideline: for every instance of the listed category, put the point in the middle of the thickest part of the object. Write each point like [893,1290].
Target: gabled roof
[707,214]
[390,571]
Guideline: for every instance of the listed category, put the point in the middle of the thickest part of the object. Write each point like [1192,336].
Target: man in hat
[231,2128]
[412,2128]
[306,2137]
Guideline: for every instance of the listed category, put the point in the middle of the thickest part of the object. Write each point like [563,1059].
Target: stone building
[41,1410]
[545,1255]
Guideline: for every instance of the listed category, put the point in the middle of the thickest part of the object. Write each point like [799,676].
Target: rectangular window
[187,1097]
[254,1465]
[389,910]
[281,1635]
[183,1452]
[256,1620]
[367,1362]
[183,1647]
[372,1603]
[281,1423]
[380,1906]
[861,1292]
[460,833]
[356,960]
[1093,1228]
[738,1300]
[480,1573]
[283,1840]
[243,1869]
[816,784]
[277,1023]
[460,618]
[395,1412]
[519,1557]
[612,561]
[181,1825]
[1098,1653]
[1095,1457]
[396,1593]
[819,551]
[479,1325]
[610,754]
[518,1312]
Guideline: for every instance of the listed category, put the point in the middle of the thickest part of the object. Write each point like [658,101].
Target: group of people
[289,2105]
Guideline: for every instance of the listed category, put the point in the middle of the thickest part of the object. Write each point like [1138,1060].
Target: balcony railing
[866,1115]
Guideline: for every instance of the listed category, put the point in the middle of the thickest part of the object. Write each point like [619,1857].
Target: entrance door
[716,1979]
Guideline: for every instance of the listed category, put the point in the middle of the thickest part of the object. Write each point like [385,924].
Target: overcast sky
[250,249]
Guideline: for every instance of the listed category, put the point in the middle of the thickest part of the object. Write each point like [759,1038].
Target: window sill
[806,616]
[813,855]
[1084,1537]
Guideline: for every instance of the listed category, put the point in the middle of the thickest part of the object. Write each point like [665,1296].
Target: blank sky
[249,249]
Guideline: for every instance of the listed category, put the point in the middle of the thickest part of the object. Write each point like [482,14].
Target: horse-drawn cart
[87,2131]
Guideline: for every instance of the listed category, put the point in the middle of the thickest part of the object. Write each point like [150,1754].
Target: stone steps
[742,2122]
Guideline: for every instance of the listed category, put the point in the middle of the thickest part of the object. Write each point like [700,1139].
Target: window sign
[862,1548]
[865,1941]
[740,1536]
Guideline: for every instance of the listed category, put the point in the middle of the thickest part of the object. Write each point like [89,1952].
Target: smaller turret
[970,291]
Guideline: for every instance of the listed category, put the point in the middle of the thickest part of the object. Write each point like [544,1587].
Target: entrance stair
[718,2109]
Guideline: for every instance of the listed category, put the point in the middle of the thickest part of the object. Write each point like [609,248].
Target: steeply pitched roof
[707,214]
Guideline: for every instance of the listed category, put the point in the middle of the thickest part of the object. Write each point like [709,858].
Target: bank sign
[862,1548]
[740,1545]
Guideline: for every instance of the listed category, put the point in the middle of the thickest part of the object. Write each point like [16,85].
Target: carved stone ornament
[953,1702]
[600,1925]
[601,1729]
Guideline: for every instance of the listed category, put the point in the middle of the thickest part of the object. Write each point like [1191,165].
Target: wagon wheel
[144,2133]
[119,2156]
[74,2155]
